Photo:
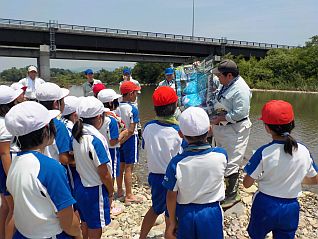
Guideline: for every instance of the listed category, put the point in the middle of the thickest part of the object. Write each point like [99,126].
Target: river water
[306,120]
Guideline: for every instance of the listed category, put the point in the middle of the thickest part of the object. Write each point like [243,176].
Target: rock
[251,189]
[160,220]
[237,210]
[247,200]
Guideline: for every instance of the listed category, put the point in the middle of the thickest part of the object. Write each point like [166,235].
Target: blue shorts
[158,193]
[62,235]
[115,155]
[129,151]
[196,221]
[93,205]
[271,214]
[3,177]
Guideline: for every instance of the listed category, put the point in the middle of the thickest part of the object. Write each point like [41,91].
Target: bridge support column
[44,62]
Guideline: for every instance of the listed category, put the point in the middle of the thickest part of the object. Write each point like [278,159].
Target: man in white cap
[52,97]
[32,81]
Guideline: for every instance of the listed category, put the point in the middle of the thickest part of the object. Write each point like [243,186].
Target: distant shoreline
[286,91]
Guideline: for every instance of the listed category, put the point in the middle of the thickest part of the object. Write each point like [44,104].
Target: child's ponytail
[290,144]
[77,130]
[284,130]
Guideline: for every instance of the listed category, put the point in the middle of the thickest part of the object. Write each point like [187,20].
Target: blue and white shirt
[129,114]
[40,189]
[279,174]
[91,152]
[161,142]
[5,136]
[197,175]
[235,99]
[62,142]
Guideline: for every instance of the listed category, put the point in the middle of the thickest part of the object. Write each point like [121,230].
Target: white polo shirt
[161,142]
[129,114]
[62,142]
[39,187]
[198,175]
[31,85]
[279,174]
[91,152]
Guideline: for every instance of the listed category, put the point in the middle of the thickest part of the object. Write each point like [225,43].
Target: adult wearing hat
[169,81]
[32,82]
[88,85]
[231,123]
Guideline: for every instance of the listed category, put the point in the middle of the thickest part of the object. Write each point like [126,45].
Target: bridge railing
[143,34]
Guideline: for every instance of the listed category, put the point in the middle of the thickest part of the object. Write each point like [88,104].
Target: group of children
[61,171]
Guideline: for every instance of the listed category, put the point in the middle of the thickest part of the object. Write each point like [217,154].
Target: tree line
[290,69]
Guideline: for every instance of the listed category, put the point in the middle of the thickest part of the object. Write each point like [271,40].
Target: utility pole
[192,19]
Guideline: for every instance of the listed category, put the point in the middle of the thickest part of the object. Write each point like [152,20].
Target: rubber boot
[231,193]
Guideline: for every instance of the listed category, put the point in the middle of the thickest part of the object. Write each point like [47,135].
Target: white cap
[27,117]
[90,107]
[32,68]
[49,92]
[7,94]
[71,104]
[194,121]
[17,86]
[108,95]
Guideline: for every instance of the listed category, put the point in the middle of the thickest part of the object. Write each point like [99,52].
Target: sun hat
[226,66]
[88,72]
[90,107]
[128,86]
[164,95]
[17,86]
[126,71]
[98,87]
[32,68]
[7,94]
[50,91]
[169,71]
[71,103]
[277,112]
[27,117]
[194,121]
[108,95]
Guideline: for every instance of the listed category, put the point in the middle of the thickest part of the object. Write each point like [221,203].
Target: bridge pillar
[44,62]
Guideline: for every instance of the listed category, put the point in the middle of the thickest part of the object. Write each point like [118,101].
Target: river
[306,120]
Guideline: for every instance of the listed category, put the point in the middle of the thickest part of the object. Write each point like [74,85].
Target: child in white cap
[114,130]
[161,142]
[38,184]
[194,180]
[94,194]
[8,149]
[52,97]
[279,167]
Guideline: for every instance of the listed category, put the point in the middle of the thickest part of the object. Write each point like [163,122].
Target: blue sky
[290,22]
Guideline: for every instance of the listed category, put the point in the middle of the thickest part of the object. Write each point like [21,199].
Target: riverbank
[127,225]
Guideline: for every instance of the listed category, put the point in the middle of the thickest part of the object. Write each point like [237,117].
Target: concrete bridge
[45,40]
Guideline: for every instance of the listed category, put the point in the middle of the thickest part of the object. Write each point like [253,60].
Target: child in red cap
[129,147]
[279,167]
[161,142]
[97,88]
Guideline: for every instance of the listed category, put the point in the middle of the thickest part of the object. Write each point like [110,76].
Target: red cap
[128,86]
[164,95]
[98,87]
[277,112]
